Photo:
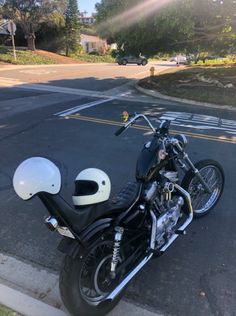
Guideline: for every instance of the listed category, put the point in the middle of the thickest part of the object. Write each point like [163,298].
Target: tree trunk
[31,41]
[67,50]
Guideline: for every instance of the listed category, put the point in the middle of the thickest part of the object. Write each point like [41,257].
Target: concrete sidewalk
[34,291]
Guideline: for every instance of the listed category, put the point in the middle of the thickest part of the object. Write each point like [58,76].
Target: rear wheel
[213,174]
[85,281]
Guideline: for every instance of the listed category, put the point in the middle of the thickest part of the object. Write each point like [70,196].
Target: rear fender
[71,247]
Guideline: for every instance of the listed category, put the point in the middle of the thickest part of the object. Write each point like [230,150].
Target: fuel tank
[148,162]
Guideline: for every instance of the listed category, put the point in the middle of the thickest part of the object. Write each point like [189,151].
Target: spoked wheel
[86,281]
[213,175]
[95,280]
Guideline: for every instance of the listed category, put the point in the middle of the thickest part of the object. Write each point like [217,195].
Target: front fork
[195,171]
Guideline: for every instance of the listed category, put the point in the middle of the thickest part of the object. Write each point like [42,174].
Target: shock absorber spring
[116,250]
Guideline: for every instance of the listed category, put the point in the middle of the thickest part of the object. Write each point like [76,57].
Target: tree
[72,27]
[51,33]
[29,14]
[140,26]
[153,26]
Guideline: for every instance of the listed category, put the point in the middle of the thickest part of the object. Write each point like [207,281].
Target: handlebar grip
[120,130]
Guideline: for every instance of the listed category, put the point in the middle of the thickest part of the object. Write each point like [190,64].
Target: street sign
[3,27]
[11,28]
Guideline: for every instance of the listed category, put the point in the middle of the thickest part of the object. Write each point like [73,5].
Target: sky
[87,5]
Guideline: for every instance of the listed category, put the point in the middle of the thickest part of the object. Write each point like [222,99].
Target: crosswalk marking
[200,121]
[79,108]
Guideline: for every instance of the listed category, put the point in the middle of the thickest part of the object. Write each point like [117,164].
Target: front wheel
[144,62]
[85,281]
[213,175]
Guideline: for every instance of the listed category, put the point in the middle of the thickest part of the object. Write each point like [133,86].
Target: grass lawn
[7,312]
[89,58]
[24,57]
[39,57]
[216,84]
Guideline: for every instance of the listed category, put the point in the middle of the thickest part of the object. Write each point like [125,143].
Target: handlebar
[179,141]
[131,121]
[120,131]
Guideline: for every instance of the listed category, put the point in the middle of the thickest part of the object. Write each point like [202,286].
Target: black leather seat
[81,217]
[120,202]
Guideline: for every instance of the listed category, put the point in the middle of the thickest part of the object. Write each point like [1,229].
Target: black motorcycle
[106,244]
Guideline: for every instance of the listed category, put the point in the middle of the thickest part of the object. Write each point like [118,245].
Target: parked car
[130,59]
[180,59]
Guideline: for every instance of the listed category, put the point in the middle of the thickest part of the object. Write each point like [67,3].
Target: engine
[167,207]
[166,222]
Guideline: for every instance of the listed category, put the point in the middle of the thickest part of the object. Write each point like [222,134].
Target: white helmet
[91,186]
[36,175]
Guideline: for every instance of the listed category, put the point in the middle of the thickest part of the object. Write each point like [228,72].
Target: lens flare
[133,15]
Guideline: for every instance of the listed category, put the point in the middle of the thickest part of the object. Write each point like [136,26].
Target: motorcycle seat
[125,198]
[118,203]
[83,216]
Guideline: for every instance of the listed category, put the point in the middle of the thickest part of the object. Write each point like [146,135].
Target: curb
[26,305]
[158,95]
[33,290]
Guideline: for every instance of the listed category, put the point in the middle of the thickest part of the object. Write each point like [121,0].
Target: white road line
[82,107]
[10,81]
[203,122]
[228,121]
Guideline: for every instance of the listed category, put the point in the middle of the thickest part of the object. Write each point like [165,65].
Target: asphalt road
[74,126]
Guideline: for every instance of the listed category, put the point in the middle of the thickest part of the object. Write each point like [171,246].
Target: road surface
[69,114]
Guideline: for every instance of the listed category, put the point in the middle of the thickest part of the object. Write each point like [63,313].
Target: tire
[73,278]
[203,202]
[144,62]
[124,62]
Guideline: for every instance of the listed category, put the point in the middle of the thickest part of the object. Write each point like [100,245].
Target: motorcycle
[107,241]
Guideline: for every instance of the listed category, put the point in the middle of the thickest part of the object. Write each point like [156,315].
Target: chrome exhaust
[126,280]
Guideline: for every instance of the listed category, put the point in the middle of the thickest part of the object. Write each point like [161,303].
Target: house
[86,20]
[93,44]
